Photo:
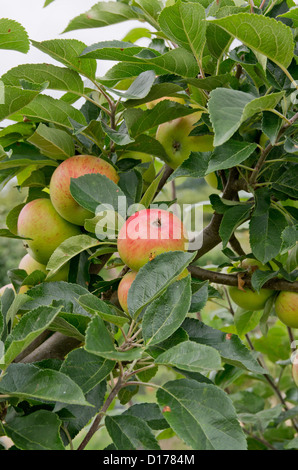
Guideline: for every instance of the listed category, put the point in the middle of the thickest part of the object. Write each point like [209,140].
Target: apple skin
[30,265]
[39,221]
[150,173]
[148,233]
[124,287]
[286,308]
[295,371]
[248,299]
[151,104]
[75,167]
[211,179]
[174,137]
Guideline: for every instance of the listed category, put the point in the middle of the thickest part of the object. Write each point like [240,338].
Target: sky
[48,23]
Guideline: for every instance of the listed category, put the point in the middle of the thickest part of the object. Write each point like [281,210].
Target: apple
[75,167]
[150,173]
[174,137]
[211,179]
[249,299]
[124,287]
[286,308]
[148,233]
[295,371]
[3,289]
[263,140]
[151,104]
[30,265]
[44,229]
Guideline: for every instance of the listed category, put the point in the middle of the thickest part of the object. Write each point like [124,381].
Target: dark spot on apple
[176,146]
[9,30]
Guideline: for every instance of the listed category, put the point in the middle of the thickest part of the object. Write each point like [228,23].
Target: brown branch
[56,346]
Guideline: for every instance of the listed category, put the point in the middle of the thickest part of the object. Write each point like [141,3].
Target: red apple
[286,308]
[148,233]
[39,222]
[124,287]
[75,167]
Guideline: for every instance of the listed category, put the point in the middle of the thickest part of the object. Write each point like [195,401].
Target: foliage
[222,374]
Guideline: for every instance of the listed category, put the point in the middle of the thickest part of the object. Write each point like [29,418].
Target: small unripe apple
[124,287]
[249,299]
[295,371]
[178,144]
[44,229]
[148,233]
[286,308]
[74,167]
[212,180]
[30,265]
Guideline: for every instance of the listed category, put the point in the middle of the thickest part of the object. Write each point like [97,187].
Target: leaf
[230,154]
[28,381]
[68,250]
[150,192]
[166,313]
[184,23]
[265,232]
[68,51]
[154,277]
[191,356]
[292,14]
[199,298]
[15,99]
[13,36]
[102,14]
[140,87]
[85,369]
[232,219]
[230,108]
[39,430]
[30,326]
[100,343]
[259,278]
[107,312]
[202,415]
[58,78]
[53,143]
[287,182]
[263,34]
[119,136]
[150,413]
[231,349]
[130,433]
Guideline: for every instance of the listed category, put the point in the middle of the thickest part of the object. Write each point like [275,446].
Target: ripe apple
[148,233]
[249,299]
[150,173]
[211,179]
[39,222]
[75,167]
[295,371]
[30,265]
[174,137]
[286,308]
[124,287]
[3,289]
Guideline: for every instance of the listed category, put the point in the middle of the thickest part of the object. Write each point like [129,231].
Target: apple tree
[108,334]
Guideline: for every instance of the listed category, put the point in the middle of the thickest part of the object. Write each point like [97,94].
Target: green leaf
[154,277]
[150,413]
[217,40]
[231,349]
[230,108]
[191,356]
[107,312]
[15,99]
[102,14]
[68,51]
[100,343]
[130,433]
[292,14]
[28,381]
[53,143]
[140,87]
[287,182]
[85,369]
[150,192]
[28,328]
[232,219]
[202,415]
[263,34]
[39,430]
[184,23]
[150,10]
[58,78]
[166,313]
[13,36]
[68,250]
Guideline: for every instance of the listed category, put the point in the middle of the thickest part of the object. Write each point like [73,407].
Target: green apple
[174,137]
[30,265]
[75,167]
[148,233]
[124,287]
[249,299]
[263,140]
[286,308]
[212,180]
[44,229]
[150,173]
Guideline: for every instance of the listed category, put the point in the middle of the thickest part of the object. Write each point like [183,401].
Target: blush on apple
[124,287]
[75,167]
[43,229]
[148,233]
